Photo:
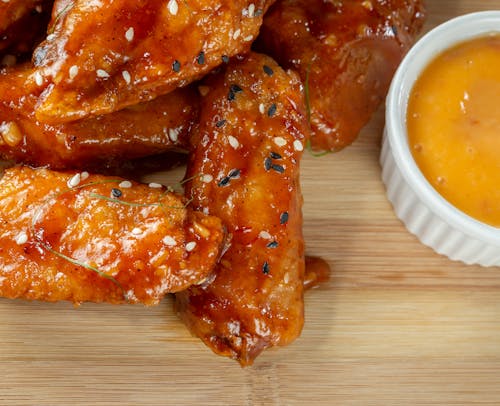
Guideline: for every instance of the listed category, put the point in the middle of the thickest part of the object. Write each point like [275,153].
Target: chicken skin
[142,130]
[247,152]
[346,53]
[80,237]
[143,49]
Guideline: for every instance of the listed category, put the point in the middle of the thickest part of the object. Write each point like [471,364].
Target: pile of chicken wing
[241,89]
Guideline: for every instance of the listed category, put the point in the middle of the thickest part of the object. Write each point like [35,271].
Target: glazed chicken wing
[247,152]
[105,55]
[145,129]
[80,237]
[346,53]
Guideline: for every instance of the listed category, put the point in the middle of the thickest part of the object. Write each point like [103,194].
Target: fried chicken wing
[144,49]
[247,151]
[80,237]
[145,129]
[15,18]
[346,53]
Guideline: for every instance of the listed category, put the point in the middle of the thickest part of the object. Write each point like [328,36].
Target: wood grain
[396,324]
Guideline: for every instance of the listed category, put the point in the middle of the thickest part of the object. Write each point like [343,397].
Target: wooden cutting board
[396,324]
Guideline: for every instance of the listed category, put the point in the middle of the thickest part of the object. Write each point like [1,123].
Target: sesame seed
[73,71]
[207,178]
[272,244]
[262,108]
[38,8]
[279,141]
[126,77]
[74,180]
[248,38]
[224,181]
[154,185]
[236,34]
[116,193]
[173,7]
[169,241]
[284,218]
[136,231]
[265,268]
[233,142]
[225,58]
[251,10]
[275,155]
[268,163]
[10,133]
[173,134]
[38,78]
[21,238]
[278,168]
[298,146]
[268,71]
[234,173]
[220,123]
[201,58]
[129,34]
[84,175]
[190,246]
[272,110]
[286,278]
[265,235]
[233,89]
[125,184]
[176,66]
[101,73]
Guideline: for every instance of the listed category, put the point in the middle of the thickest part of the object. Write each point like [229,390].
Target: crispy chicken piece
[15,18]
[144,49]
[79,237]
[247,151]
[145,129]
[346,53]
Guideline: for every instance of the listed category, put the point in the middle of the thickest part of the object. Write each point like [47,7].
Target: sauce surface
[453,122]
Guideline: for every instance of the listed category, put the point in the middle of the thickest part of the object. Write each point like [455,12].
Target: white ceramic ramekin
[422,209]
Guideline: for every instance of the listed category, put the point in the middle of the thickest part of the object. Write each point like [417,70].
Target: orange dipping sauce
[453,122]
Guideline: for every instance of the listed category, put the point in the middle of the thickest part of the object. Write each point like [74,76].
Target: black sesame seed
[236,89]
[268,163]
[234,173]
[272,244]
[116,193]
[278,168]
[394,30]
[176,66]
[272,110]
[201,58]
[233,89]
[268,70]
[224,181]
[225,58]
[265,268]
[258,13]
[275,155]
[284,218]
[220,123]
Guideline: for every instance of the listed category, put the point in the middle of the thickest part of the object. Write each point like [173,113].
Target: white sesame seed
[126,77]
[298,146]
[173,7]
[262,108]
[265,235]
[154,185]
[248,38]
[136,231]
[38,8]
[101,73]
[173,134]
[251,10]
[169,241]
[190,246]
[207,178]
[84,175]
[236,34]
[21,238]
[233,142]
[38,78]
[125,184]
[279,141]
[73,71]
[129,34]
[286,278]
[74,180]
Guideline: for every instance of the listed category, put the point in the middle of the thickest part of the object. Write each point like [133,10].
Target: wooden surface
[396,325]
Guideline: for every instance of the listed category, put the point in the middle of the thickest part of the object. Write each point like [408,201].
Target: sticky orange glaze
[454,126]
[345,52]
[143,49]
[317,272]
[139,250]
[248,148]
[142,130]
